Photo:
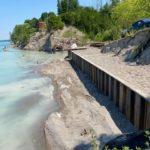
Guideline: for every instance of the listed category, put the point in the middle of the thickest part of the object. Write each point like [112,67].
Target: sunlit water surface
[26,98]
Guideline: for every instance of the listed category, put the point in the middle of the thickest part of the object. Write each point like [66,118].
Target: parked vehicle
[141,24]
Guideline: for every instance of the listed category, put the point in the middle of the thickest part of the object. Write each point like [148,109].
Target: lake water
[26,99]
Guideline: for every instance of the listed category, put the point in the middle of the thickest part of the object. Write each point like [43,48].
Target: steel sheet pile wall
[133,105]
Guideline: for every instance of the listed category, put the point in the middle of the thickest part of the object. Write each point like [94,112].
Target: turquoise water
[26,99]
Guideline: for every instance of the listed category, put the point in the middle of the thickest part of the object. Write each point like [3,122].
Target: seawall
[132,101]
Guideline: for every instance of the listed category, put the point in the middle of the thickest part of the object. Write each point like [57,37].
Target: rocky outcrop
[131,48]
[55,41]
[80,118]
[41,41]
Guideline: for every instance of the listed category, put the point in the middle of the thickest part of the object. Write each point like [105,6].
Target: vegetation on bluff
[100,25]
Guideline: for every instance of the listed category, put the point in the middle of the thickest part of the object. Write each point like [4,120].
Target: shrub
[99,37]
[21,34]
[54,23]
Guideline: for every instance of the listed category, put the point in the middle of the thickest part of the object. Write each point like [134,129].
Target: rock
[74,45]
[39,42]
[54,41]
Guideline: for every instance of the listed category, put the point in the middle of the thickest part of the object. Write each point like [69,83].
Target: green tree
[114,2]
[67,5]
[59,8]
[44,16]
[54,23]
[21,34]
[129,11]
[33,22]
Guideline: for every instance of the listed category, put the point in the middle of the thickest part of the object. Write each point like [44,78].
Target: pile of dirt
[68,36]
[56,41]
[132,48]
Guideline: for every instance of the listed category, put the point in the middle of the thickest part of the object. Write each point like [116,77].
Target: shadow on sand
[120,120]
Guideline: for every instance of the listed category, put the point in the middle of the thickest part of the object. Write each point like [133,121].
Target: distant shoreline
[5,40]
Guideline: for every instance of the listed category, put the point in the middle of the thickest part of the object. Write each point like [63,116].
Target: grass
[69,34]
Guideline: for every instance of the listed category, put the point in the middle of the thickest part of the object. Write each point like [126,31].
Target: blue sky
[14,12]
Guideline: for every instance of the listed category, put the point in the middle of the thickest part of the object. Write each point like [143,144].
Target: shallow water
[26,99]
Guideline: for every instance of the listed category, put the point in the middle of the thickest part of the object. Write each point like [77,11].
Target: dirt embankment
[80,115]
[58,40]
[39,42]
[132,48]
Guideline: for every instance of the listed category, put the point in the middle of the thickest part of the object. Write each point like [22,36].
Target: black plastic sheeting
[140,139]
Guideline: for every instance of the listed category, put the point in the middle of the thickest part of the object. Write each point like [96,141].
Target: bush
[111,34]
[69,34]
[54,23]
[99,37]
[85,19]
[21,34]
[68,18]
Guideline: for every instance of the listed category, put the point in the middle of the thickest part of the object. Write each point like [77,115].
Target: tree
[21,34]
[54,23]
[59,8]
[67,5]
[44,16]
[33,22]
[114,2]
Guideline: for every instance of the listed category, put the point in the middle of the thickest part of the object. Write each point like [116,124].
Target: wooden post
[98,78]
[115,92]
[96,70]
[122,98]
[105,84]
[92,74]
[128,104]
[102,82]
[148,116]
[137,111]
[110,88]
[82,65]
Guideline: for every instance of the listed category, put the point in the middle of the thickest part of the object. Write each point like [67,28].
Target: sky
[14,12]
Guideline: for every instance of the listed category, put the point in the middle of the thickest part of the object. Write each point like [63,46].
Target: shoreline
[79,113]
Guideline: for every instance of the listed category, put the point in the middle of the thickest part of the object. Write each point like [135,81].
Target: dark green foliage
[69,18]
[67,5]
[59,7]
[54,22]
[21,34]
[44,16]
[33,22]
[89,20]
[114,2]
[81,19]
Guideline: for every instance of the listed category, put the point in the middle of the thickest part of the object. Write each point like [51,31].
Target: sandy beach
[80,113]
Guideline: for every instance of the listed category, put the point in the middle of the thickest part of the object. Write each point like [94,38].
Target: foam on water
[26,99]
